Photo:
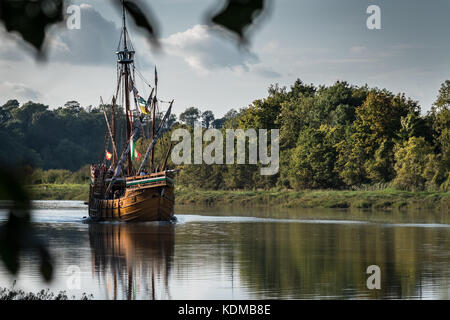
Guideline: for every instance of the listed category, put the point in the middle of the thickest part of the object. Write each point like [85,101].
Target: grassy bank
[380,199]
[59,191]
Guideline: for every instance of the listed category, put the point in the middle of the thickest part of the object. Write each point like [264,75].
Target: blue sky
[318,41]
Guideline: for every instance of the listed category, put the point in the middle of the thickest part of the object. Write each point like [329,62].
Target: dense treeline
[338,136]
[65,138]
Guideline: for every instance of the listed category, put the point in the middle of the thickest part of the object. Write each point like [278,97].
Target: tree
[440,117]
[435,174]
[441,121]
[377,125]
[73,107]
[293,119]
[263,113]
[190,116]
[380,168]
[5,110]
[171,121]
[313,159]
[411,159]
[443,99]
[5,115]
[413,125]
[218,123]
[25,113]
[207,118]
[306,106]
[11,104]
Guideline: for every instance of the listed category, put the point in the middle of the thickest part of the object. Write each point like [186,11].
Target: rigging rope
[142,77]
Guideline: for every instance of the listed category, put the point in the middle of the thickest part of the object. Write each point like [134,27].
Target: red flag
[108,155]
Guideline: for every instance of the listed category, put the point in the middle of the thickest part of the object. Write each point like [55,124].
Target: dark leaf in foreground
[142,20]
[30,18]
[238,15]
[18,233]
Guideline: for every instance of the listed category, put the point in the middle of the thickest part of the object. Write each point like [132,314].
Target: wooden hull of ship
[139,203]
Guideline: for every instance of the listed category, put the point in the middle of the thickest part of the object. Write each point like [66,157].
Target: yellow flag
[144,110]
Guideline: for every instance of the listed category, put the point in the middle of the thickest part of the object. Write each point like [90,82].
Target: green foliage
[384,198]
[440,118]
[380,168]
[190,116]
[68,137]
[411,160]
[201,176]
[338,136]
[207,118]
[64,191]
[376,128]
[59,176]
[435,174]
[312,161]
[335,137]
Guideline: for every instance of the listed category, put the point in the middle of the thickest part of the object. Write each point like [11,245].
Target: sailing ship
[119,191]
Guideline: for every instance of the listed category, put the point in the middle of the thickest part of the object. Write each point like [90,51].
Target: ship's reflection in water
[133,261]
[234,255]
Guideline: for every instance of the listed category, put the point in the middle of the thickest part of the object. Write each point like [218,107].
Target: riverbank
[379,199]
[59,191]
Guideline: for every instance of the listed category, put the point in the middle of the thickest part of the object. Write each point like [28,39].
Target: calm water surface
[232,253]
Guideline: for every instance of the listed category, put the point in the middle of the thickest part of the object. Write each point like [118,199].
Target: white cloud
[266,72]
[13,48]
[205,50]
[95,43]
[359,50]
[19,90]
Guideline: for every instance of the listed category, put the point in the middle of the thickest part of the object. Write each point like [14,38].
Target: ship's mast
[152,157]
[125,59]
[113,130]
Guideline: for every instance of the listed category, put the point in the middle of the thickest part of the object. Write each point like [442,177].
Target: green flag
[134,153]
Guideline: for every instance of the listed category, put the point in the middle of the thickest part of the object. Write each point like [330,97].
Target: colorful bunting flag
[142,105]
[134,153]
[144,110]
[141,100]
[108,155]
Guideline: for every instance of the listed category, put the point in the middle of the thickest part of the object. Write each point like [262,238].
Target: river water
[241,253]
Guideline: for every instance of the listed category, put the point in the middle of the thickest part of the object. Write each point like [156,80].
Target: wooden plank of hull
[138,204]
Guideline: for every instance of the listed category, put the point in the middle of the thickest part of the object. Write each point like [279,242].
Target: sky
[317,41]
